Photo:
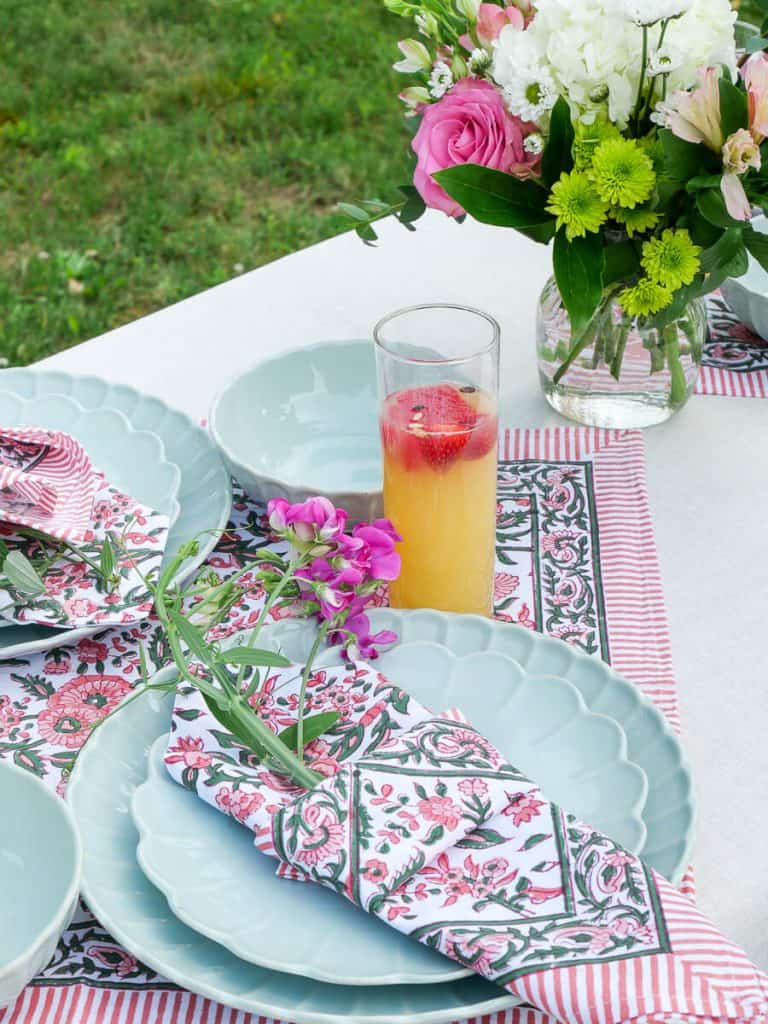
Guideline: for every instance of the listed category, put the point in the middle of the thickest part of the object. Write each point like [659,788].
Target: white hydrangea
[590,49]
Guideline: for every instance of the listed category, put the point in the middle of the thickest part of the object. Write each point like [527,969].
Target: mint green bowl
[305,423]
[40,868]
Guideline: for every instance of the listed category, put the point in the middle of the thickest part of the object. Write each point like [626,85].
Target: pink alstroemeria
[695,117]
[491,19]
[755,75]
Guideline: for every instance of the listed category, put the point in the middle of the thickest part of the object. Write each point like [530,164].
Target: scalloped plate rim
[174,893]
[299,1014]
[74,384]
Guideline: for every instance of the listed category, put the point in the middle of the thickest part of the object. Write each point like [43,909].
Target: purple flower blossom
[336,572]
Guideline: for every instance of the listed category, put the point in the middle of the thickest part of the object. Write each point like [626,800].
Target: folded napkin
[46,482]
[422,822]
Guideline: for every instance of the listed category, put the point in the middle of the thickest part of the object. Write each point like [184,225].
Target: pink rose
[469,125]
[491,19]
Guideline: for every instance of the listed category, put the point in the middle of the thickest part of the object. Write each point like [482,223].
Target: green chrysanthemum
[587,138]
[576,205]
[671,260]
[636,221]
[645,298]
[622,173]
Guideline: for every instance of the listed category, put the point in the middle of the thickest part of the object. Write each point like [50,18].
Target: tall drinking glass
[438,374]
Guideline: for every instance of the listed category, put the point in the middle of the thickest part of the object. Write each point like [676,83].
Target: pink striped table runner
[596,585]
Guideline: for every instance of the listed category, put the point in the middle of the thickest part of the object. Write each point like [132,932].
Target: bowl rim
[58,917]
[280,484]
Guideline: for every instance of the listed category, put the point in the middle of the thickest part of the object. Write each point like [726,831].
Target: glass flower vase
[624,372]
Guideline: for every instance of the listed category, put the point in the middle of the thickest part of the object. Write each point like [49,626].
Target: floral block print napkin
[47,483]
[75,591]
[422,822]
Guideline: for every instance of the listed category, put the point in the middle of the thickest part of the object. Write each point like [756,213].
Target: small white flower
[479,61]
[415,56]
[649,12]
[43,255]
[665,61]
[534,143]
[441,80]
[238,268]
[426,23]
[532,94]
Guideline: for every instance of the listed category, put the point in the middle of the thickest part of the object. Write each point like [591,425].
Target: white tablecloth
[707,470]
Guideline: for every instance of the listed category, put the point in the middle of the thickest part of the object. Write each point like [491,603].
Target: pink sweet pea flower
[469,125]
[380,537]
[491,19]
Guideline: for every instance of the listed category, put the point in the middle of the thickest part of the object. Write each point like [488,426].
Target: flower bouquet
[622,130]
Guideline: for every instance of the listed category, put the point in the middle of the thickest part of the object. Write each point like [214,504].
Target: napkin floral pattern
[75,593]
[424,824]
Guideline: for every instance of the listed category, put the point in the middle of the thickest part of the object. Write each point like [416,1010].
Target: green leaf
[22,575]
[703,181]
[534,840]
[190,634]
[621,262]
[493,197]
[682,160]
[356,212]
[543,233]
[757,43]
[107,560]
[252,656]
[733,107]
[711,205]
[314,726]
[481,839]
[724,251]
[231,724]
[757,243]
[366,232]
[414,205]
[579,273]
[557,157]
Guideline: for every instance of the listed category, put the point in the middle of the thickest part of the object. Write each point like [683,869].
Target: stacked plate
[154,453]
[182,887]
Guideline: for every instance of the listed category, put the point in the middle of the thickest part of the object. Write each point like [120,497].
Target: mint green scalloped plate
[206,867]
[204,493]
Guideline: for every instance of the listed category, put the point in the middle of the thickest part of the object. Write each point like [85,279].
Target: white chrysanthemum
[441,80]
[649,12]
[592,51]
[532,94]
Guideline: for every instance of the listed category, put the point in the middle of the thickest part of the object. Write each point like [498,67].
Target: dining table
[707,472]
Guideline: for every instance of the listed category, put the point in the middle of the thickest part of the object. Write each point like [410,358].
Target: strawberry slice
[444,445]
[429,425]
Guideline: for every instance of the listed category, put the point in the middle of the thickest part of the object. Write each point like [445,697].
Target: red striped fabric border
[714,380]
[633,594]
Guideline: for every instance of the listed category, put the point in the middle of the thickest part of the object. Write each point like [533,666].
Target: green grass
[153,148]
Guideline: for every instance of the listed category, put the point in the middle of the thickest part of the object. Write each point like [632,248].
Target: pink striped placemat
[576,558]
[735,360]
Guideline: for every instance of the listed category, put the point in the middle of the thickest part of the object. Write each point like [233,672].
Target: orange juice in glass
[438,389]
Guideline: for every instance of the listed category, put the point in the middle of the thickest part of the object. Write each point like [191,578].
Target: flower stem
[618,355]
[321,634]
[641,83]
[678,386]
[577,348]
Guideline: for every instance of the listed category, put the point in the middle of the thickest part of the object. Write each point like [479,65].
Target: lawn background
[153,148]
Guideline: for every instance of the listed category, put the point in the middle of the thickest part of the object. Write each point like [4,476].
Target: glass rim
[385,346]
